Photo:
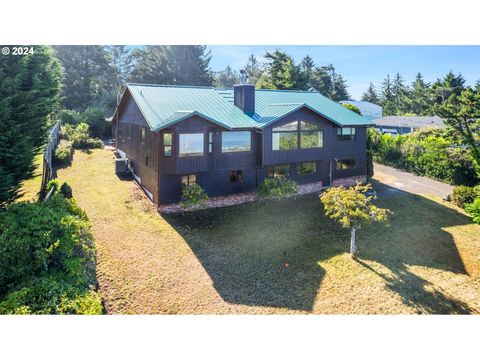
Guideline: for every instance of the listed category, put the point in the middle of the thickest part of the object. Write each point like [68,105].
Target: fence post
[48,172]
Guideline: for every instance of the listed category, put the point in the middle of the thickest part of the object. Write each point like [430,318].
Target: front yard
[274,257]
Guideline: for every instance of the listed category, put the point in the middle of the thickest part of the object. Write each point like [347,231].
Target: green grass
[279,256]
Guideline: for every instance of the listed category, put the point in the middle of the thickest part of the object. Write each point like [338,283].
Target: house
[406,124]
[229,140]
[369,110]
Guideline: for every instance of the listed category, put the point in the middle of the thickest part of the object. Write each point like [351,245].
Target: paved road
[397,179]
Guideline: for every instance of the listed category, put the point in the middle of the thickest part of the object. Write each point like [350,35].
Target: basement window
[278,171]
[345,164]
[236,176]
[307,168]
[189,180]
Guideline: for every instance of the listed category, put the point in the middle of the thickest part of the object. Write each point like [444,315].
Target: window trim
[195,154]
[210,142]
[240,151]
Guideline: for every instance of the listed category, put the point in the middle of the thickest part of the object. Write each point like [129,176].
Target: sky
[360,65]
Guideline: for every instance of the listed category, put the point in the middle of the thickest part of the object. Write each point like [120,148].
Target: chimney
[244,94]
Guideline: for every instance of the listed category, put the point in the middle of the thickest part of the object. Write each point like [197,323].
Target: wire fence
[48,173]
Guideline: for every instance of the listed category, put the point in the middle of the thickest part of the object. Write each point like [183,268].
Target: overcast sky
[361,64]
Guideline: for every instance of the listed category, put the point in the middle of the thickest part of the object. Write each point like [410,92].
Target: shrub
[277,187]
[95,119]
[474,210]
[66,190]
[48,259]
[66,132]
[193,197]
[63,152]
[53,183]
[82,140]
[463,195]
[71,117]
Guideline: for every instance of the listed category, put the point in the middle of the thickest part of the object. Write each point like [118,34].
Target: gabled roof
[164,105]
[272,105]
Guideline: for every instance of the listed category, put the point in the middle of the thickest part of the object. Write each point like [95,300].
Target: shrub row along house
[229,140]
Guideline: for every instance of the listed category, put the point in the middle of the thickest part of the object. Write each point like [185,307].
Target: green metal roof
[164,105]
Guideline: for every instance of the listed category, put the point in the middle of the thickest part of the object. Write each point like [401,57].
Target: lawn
[278,257]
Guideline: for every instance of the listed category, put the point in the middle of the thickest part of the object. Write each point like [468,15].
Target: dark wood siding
[137,153]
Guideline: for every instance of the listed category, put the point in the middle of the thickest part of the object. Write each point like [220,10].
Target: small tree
[351,207]
[352,108]
[193,197]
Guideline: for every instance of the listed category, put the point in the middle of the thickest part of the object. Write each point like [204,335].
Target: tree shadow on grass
[268,254]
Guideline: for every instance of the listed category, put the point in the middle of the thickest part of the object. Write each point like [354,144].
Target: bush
[71,117]
[474,210]
[95,119]
[463,195]
[193,197]
[277,187]
[63,153]
[66,190]
[53,183]
[82,140]
[48,259]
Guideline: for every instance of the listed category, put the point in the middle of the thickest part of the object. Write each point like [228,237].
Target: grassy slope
[276,257]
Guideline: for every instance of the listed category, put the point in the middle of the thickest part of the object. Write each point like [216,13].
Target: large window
[346,133]
[278,171]
[345,164]
[311,135]
[234,141]
[307,168]
[285,137]
[167,144]
[191,144]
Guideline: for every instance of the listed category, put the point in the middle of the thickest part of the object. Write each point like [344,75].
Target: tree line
[397,97]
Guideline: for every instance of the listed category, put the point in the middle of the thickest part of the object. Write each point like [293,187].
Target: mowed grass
[277,257]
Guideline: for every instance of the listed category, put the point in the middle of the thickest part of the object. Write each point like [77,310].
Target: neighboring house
[229,140]
[406,124]
[369,110]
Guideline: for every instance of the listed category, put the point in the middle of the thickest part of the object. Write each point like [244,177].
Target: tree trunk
[353,246]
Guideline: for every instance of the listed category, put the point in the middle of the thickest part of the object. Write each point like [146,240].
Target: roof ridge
[291,90]
[172,86]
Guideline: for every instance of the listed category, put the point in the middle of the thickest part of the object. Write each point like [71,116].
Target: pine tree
[307,65]
[226,78]
[339,89]
[451,84]
[172,65]
[88,76]
[419,102]
[30,89]
[119,56]
[371,95]
[386,97]
[281,72]
[253,69]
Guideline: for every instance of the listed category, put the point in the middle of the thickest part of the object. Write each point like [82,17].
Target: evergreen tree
[226,78]
[280,73]
[339,89]
[419,101]
[307,65]
[321,79]
[451,84]
[121,61]
[172,65]
[253,69]
[30,89]
[88,76]
[371,95]
[400,94]
[387,97]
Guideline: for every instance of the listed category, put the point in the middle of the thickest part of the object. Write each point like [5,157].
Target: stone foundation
[350,181]
[222,201]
